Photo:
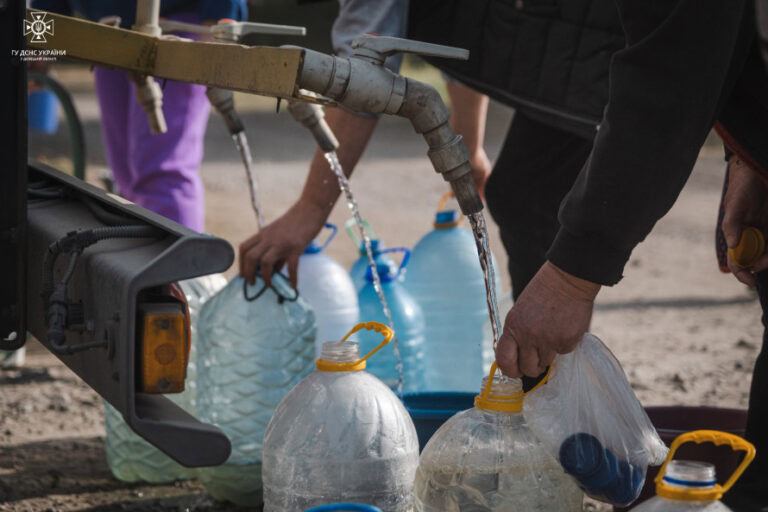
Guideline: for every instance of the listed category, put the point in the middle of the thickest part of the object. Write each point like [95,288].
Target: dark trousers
[536,168]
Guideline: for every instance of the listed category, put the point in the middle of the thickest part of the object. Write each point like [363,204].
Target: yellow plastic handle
[441,204]
[750,248]
[333,366]
[717,438]
[441,207]
[504,403]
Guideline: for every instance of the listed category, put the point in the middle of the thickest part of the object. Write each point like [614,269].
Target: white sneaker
[12,358]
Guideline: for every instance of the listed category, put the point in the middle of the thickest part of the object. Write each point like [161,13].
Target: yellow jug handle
[514,403]
[332,366]
[751,247]
[708,436]
[441,207]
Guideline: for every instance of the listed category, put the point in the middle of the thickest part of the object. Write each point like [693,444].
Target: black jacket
[685,66]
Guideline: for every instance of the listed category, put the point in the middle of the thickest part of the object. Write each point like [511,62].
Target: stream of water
[477,221]
[241,142]
[333,161]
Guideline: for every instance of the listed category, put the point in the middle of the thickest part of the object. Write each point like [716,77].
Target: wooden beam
[263,70]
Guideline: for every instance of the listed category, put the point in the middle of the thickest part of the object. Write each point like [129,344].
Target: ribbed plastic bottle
[327,287]
[339,436]
[408,322]
[131,458]
[360,266]
[485,459]
[689,486]
[446,279]
[255,344]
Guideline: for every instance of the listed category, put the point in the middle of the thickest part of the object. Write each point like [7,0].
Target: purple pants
[159,172]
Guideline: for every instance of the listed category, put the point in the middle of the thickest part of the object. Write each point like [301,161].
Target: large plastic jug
[341,435]
[408,322]
[485,459]
[131,458]
[446,279]
[327,287]
[687,486]
[255,344]
[360,266]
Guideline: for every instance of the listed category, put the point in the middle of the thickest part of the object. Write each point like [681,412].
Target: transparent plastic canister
[255,344]
[485,459]
[360,266]
[691,486]
[407,320]
[327,287]
[341,435]
[445,278]
[131,458]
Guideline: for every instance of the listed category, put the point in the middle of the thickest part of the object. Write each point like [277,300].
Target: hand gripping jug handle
[704,436]
[750,247]
[503,403]
[350,229]
[348,366]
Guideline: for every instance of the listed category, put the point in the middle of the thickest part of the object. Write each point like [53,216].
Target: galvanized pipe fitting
[312,117]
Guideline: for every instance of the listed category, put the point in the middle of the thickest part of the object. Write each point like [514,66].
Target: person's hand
[281,242]
[550,318]
[746,204]
[481,169]
[40,67]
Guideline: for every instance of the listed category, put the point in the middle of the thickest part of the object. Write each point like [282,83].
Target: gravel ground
[685,333]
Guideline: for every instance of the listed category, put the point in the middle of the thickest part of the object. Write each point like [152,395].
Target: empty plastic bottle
[255,344]
[446,279]
[408,322]
[485,459]
[131,458]
[327,287]
[360,266]
[688,486]
[341,435]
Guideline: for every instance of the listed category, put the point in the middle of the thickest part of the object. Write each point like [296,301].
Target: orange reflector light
[163,347]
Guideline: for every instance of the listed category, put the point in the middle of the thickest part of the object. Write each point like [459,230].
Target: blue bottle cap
[582,455]
[385,273]
[374,247]
[313,248]
[627,484]
[446,217]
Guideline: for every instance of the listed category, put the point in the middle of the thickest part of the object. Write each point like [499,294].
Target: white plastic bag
[591,421]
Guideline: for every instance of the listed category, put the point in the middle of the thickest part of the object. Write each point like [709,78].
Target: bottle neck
[505,395]
[340,352]
[685,474]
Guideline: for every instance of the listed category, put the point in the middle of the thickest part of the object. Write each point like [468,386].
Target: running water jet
[333,161]
[477,221]
[241,142]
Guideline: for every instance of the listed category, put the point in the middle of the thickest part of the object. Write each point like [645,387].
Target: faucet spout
[362,84]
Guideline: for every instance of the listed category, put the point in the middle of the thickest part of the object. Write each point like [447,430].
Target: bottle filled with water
[361,265]
[408,321]
[340,436]
[447,281]
[327,287]
[256,343]
[485,459]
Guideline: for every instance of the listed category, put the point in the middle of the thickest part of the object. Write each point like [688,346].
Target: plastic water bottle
[327,287]
[689,486]
[131,458]
[341,435]
[360,266]
[255,344]
[409,326]
[446,279]
[486,459]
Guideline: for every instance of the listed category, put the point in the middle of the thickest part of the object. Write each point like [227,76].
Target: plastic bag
[589,418]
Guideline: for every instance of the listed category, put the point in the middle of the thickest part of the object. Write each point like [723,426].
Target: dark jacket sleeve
[666,88]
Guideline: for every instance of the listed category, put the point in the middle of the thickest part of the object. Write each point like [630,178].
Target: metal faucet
[311,115]
[361,83]
[148,92]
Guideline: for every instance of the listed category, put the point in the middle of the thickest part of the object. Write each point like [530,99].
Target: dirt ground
[685,333]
